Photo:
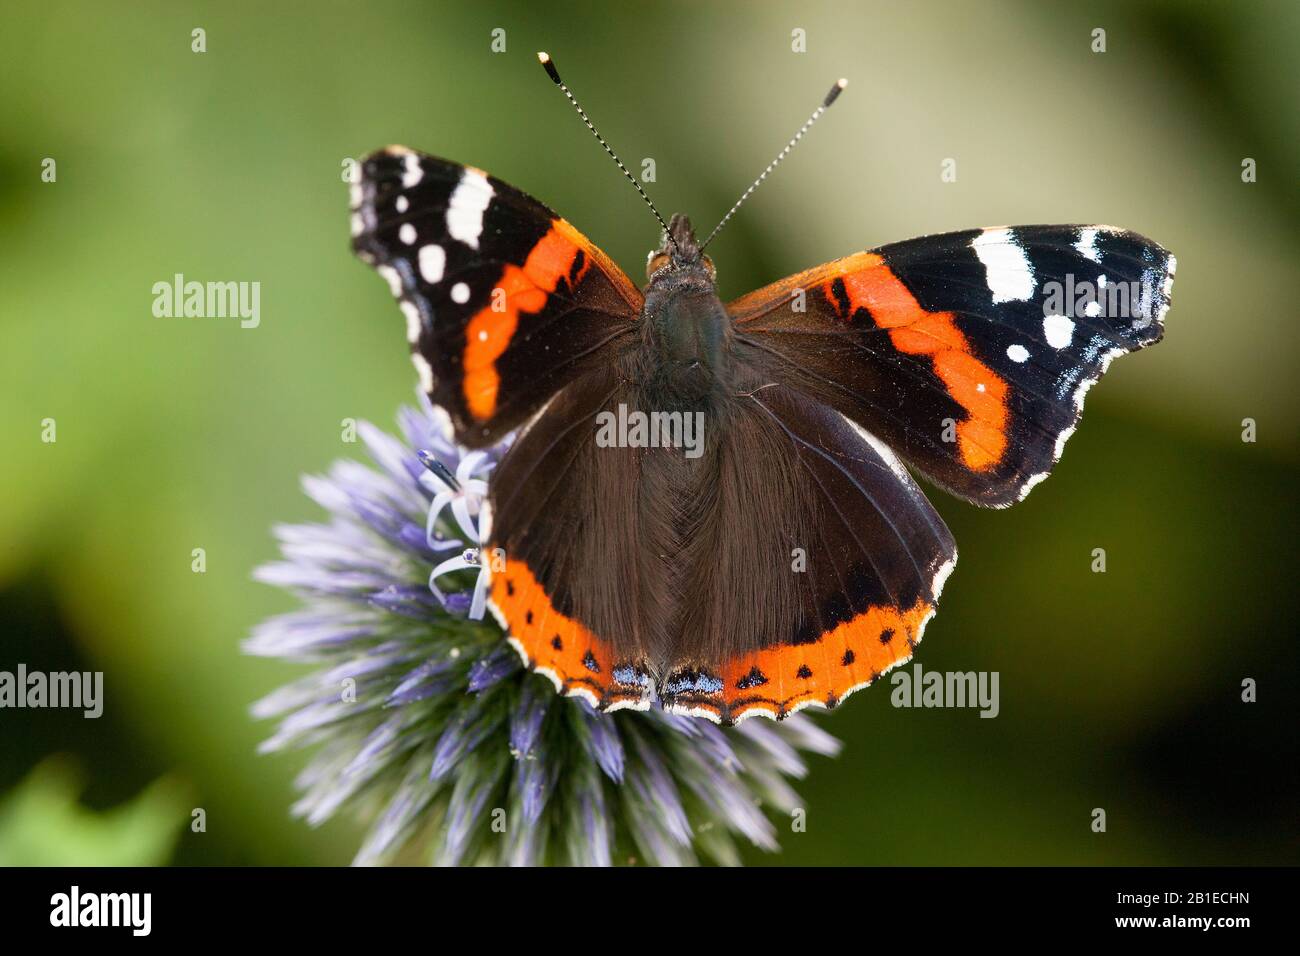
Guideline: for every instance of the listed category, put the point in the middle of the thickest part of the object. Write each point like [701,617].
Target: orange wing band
[778,681]
[869,283]
[520,290]
[872,285]
[578,662]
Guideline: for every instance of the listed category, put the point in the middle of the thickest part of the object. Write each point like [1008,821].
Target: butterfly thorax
[686,332]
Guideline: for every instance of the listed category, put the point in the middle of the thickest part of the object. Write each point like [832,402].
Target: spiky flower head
[424,721]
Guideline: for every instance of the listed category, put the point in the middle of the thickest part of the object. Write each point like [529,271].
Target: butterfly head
[679,250]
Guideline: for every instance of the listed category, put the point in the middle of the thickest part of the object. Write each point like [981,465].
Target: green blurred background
[1118,690]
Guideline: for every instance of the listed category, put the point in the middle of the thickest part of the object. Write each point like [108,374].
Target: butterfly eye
[657,261]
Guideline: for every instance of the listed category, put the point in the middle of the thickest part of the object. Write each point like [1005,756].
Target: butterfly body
[687,331]
[708,505]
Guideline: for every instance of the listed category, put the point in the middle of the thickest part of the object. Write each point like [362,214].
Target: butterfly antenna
[549,65]
[836,90]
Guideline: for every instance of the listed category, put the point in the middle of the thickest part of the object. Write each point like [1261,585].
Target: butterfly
[710,504]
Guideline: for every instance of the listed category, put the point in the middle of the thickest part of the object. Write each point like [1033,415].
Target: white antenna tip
[545,60]
[836,90]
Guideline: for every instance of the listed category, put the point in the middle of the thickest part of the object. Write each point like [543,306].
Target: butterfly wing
[969,353]
[847,533]
[505,302]
[564,518]
[789,565]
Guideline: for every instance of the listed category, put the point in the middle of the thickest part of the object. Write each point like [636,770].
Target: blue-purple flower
[424,721]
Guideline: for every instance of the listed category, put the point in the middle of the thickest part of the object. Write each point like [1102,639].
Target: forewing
[505,302]
[969,353]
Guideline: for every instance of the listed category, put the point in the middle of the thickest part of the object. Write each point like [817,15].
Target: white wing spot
[469,200]
[411,171]
[1031,483]
[979,387]
[424,370]
[1092,309]
[413,322]
[402,204]
[1017,353]
[1006,266]
[941,577]
[482,336]
[407,234]
[1087,245]
[392,278]
[433,259]
[460,293]
[1061,439]
[1058,330]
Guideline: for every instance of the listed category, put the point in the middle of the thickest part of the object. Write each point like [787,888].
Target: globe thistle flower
[425,722]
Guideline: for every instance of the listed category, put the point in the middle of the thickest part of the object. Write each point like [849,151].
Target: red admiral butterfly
[788,559]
